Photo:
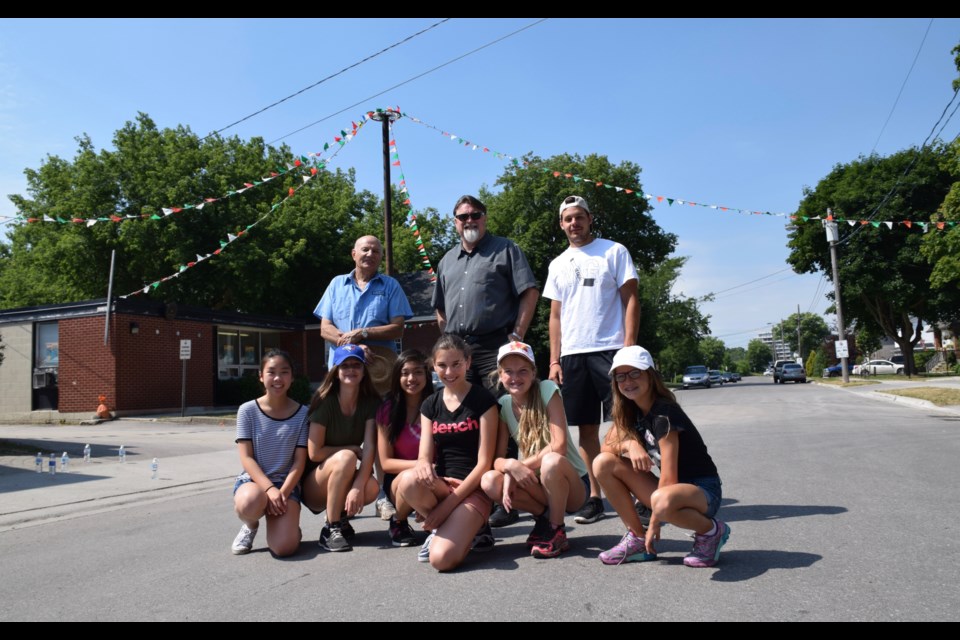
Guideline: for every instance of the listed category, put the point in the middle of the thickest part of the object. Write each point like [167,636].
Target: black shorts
[587,396]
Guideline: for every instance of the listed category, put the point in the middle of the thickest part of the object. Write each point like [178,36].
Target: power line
[769,275]
[333,75]
[409,80]
[818,292]
[792,275]
[902,86]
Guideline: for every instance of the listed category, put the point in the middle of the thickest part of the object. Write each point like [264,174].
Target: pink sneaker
[631,548]
[706,549]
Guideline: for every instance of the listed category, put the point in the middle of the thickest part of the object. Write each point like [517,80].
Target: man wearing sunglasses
[594,311]
[486,292]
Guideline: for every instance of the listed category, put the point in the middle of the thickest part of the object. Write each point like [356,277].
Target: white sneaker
[243,543]
[424,554]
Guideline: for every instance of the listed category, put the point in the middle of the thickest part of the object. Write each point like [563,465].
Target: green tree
[712,350]
[813,329]
[525,209]
[885,279]
[733,357]
[281,267]
[759,355]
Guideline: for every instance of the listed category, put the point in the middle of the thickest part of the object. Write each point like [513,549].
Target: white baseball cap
[635,356]
[516,348]
[574,201]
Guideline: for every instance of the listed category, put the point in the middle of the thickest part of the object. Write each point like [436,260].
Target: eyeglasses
[633,375]
[473,215]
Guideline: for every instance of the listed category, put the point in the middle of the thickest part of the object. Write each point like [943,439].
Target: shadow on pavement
[14,479]
[738,565]
[763,512]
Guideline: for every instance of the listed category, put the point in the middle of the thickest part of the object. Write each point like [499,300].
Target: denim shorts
[585,479]
[713,490]
[244,478]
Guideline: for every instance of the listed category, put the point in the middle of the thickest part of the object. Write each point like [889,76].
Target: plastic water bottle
[153,469]
[53,464]
[39,462]
[64,462]
[86,453]
[123,454]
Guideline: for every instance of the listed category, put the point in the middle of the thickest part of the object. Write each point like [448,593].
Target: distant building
[780,349]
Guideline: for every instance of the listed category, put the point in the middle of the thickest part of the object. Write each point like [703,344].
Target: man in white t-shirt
[594,312]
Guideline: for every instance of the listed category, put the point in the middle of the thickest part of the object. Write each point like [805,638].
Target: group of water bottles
[65,461]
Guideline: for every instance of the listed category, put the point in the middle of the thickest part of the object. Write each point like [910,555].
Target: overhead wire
[329,77]
[411,79]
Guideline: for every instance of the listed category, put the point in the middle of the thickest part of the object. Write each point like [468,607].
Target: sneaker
[483,541]
[244,540]
[345,527]
[424,554]
[631,548]
[400,533]
[706,549]
[553,547]
[590,512]
[385,508]
[332,538]
[644,513]
[542,531]
[501,518]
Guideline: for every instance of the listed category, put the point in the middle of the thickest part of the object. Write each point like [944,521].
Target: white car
[878,367]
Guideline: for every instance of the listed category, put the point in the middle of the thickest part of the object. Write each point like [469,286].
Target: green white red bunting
[411,219]
[231,237]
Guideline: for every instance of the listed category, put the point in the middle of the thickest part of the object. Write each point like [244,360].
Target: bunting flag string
[406,202]
[308,163]
[234,237]
[652,199]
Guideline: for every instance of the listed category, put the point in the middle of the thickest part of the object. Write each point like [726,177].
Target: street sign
[841,347]
[185,347]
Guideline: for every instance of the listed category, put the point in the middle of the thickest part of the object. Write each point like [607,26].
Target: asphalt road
[842,507]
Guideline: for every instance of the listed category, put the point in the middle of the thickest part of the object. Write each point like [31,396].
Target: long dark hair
[625,410]
[331,385]
[397,397]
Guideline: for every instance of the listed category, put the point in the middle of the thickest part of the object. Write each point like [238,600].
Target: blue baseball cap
[348,351]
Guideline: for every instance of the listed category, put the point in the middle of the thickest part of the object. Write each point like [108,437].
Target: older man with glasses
[486,291]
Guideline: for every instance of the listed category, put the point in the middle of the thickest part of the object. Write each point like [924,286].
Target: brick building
[56,364]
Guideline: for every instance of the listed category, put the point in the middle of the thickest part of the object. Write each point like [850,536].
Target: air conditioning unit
[42,379]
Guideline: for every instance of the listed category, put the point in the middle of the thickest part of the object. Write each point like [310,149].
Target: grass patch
[937,395]
[854,382]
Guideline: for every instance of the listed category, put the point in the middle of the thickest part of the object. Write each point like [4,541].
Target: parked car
[792,372]
[729,376]
[878,367]
[716,377]
[836,370]
[696,376]
[777,367]
[768,371]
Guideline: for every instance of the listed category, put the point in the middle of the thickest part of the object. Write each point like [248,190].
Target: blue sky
[739,113]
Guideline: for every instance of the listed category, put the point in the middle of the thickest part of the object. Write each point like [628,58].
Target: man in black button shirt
[486,292]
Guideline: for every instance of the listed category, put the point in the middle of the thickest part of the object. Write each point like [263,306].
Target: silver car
[696,376]
[793,372]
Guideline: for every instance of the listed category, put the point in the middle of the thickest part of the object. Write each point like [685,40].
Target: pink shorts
[478,501]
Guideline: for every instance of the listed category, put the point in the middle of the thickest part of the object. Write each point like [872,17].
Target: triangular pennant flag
[907,223]
[222,244]
[201,205]
[290,192]
[889,225]
[396,164]
[91,222]
[166,211]
[231,237]
[306,179]
[670,201]
[117,218]
[923,224]
[941,225]
[852,223]
[146,289]
[659,198]
[876,224]
[155,285]
[407,201]
[805,218]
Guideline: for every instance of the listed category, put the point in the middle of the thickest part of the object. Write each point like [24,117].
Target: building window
[239,351]
[48,345]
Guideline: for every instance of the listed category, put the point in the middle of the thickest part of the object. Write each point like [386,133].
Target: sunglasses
[473,215]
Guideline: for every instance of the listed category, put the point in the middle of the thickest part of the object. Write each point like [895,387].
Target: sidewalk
[193,458]
[873,391]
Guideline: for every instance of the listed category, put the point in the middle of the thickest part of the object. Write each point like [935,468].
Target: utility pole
[799,343]
[385,117]
[833,236]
